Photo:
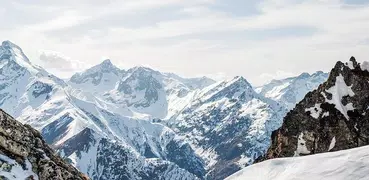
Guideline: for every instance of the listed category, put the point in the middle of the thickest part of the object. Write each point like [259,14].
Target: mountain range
[140,123]
[324,133]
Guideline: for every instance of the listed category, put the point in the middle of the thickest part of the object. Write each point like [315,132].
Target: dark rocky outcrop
[333,117]
[23,146]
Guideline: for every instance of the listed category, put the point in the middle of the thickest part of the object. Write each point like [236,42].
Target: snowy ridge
[229,125]
[342,165]
[291,90]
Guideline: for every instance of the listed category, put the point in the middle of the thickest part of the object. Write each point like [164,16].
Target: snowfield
[350,164]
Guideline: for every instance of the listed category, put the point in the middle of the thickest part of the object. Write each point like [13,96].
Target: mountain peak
[303,75]
[8,45]
[240,80]
[353,60]
[141,69]
[107,62]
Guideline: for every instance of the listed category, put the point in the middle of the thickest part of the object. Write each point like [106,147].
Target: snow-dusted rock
[25,155]
[229,125]
[331,118]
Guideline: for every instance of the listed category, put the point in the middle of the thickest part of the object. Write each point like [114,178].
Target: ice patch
[244,161]
[338,92]
[16,171]
[333,143]
[350,65]
[315,111]
[365,66]
[301,146]
[326,114]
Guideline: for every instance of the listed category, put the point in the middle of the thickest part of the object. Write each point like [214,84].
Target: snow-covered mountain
[201,111]
[342,165]
[61,113]
[229,125]
[292,90]
[144,91]
[334,117]
[144,124]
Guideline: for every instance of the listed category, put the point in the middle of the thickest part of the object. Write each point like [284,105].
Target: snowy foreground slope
[352,164]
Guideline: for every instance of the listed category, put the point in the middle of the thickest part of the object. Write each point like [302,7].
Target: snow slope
[350,164]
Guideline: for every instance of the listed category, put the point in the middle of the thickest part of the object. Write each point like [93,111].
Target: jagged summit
[241,80]
[105,74]
[8,44]
[333,117]
[11,51]
[142,71]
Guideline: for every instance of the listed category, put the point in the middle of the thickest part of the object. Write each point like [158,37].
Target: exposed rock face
[333,117]
[25,155]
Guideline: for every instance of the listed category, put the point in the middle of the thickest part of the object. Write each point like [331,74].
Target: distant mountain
[143,91]
[331,118]
[292,90]
[100,78]
[140,123]
[342,165]
[228,125]
[25,155]
[62,112]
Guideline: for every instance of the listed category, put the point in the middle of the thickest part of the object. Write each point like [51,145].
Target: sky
[258,39]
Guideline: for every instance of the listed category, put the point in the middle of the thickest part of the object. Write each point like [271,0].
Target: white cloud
[190,37]
[56,61]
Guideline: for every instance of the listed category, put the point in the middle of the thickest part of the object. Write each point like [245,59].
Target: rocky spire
[25,155]
[333,117]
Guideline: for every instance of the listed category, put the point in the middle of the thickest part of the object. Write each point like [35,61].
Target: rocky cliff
[333,117]
[25,155]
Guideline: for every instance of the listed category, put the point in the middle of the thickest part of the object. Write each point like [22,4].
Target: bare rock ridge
[25,155]
[334,117]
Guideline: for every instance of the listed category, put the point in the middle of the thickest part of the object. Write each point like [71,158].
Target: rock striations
[333,117]
[25,155]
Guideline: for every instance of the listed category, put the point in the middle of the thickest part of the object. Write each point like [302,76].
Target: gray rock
[24,144]
[319,124]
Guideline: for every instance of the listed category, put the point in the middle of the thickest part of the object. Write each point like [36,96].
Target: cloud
[57,61]
[265,77]
[193,37]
